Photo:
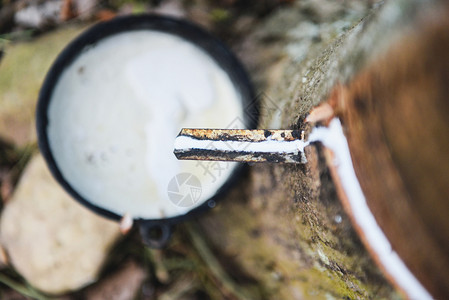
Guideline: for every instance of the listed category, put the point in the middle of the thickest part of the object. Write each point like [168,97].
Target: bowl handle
[155,234]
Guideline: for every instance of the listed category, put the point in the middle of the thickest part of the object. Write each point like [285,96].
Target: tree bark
[284,224]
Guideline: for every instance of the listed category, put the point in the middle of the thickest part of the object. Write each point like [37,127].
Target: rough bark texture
[395,114]
[289,230]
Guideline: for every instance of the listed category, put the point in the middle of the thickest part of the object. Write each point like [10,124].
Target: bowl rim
[181,28]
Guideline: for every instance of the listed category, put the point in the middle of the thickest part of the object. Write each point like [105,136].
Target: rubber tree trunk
[284,224]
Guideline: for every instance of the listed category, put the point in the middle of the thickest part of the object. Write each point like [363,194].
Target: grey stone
[39,15]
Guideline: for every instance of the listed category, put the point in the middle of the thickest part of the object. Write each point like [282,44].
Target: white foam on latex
[117,109]
[333,138]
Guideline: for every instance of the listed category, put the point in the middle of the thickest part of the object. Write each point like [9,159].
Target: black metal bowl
[155,232]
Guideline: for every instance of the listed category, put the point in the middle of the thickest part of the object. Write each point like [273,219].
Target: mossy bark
[288,229]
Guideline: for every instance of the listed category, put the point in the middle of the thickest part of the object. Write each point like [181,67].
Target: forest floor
[31,35]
